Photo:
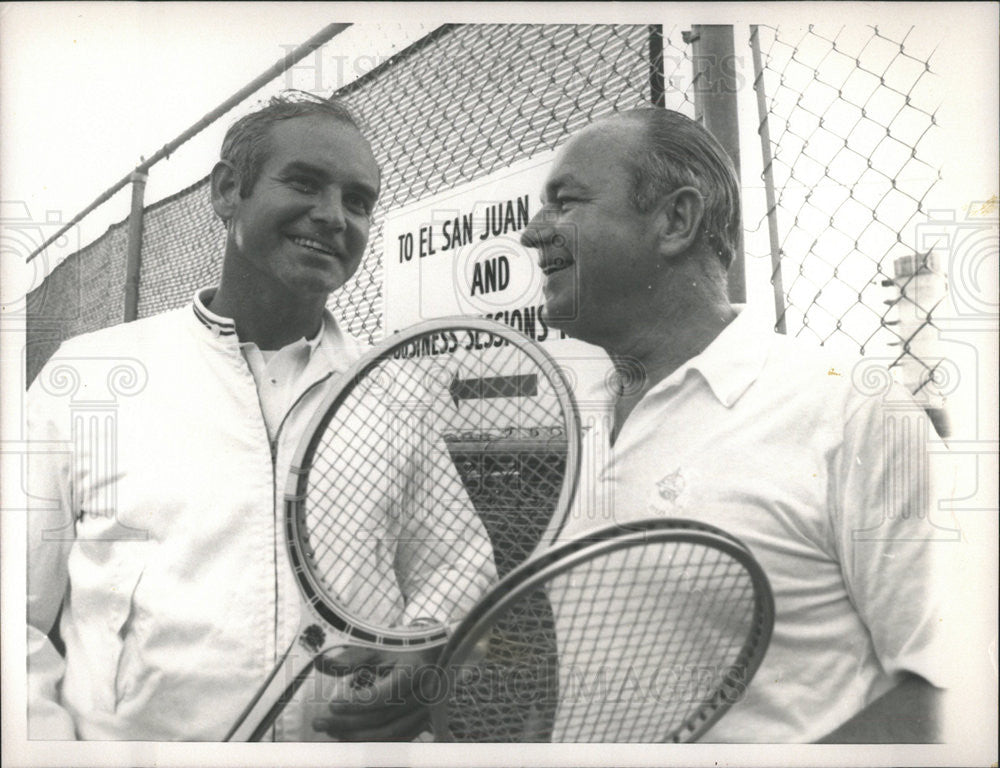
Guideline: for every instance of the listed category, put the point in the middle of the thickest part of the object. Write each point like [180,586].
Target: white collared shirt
[776,442]
[277,374]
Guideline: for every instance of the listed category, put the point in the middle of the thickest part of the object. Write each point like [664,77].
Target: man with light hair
[721,420]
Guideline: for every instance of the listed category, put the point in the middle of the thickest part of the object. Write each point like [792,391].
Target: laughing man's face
[597,251]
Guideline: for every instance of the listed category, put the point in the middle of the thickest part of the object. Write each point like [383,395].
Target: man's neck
[270,318]
[646,356]
[661,349]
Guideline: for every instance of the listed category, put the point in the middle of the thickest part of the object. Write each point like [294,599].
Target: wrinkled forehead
[604,144]
[323,140]
[593,138]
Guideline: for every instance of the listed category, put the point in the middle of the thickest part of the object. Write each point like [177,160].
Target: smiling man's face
[597,251]
[305,223]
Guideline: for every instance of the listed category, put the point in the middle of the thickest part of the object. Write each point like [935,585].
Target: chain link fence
[83,293]
[849,111]
[489,95]
[462,102]
[182,247]
[851,114]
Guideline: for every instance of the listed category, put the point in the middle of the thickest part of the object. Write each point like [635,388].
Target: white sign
[458,253]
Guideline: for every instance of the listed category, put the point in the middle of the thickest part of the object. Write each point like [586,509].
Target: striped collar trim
[218,325]
[224,326]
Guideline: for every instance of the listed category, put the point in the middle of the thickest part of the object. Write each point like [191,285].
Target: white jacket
[156,512]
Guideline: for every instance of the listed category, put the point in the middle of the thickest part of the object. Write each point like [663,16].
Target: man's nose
[538,229]
[329,209]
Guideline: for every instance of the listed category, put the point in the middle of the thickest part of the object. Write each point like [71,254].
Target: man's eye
[357,204]
[300,184]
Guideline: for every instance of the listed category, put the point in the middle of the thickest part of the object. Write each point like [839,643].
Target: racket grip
[270,699]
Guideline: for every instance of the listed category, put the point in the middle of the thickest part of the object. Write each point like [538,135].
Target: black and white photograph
[499,383]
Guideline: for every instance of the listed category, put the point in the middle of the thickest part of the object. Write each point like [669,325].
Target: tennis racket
[648,632]
[443,459]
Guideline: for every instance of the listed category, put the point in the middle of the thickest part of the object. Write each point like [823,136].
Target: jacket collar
[339,349]
[217,324]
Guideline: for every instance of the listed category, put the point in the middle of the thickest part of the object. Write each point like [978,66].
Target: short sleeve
[894,556]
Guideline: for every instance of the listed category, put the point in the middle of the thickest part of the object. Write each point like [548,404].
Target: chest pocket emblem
[671,486]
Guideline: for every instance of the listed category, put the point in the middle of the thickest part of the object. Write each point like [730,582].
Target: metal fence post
[133,259]
[764,131]
[715,86]
[657,84]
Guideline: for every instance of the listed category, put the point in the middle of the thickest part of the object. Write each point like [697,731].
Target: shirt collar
[314,342]
[734,359]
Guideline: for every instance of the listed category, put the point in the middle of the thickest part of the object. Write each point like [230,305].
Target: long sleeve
[50,534]
[444,560]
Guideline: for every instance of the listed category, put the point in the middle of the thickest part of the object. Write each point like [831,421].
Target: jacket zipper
[273,445]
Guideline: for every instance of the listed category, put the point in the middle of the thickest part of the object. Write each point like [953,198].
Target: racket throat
[272,697]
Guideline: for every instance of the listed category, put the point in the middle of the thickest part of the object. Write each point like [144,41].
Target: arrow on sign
[493,386]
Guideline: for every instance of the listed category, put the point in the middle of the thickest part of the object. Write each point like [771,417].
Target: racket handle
[272,697]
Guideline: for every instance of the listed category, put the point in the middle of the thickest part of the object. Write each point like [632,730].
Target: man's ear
[225,189]
[679,218]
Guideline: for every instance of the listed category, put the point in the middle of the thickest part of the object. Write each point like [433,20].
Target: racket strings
[714,607]
[426,463]
[606,663]
[626,647]
[515,516]
[510,452]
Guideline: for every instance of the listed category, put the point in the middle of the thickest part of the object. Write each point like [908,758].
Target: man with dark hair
[246,144]
[721,420]
[166,559]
